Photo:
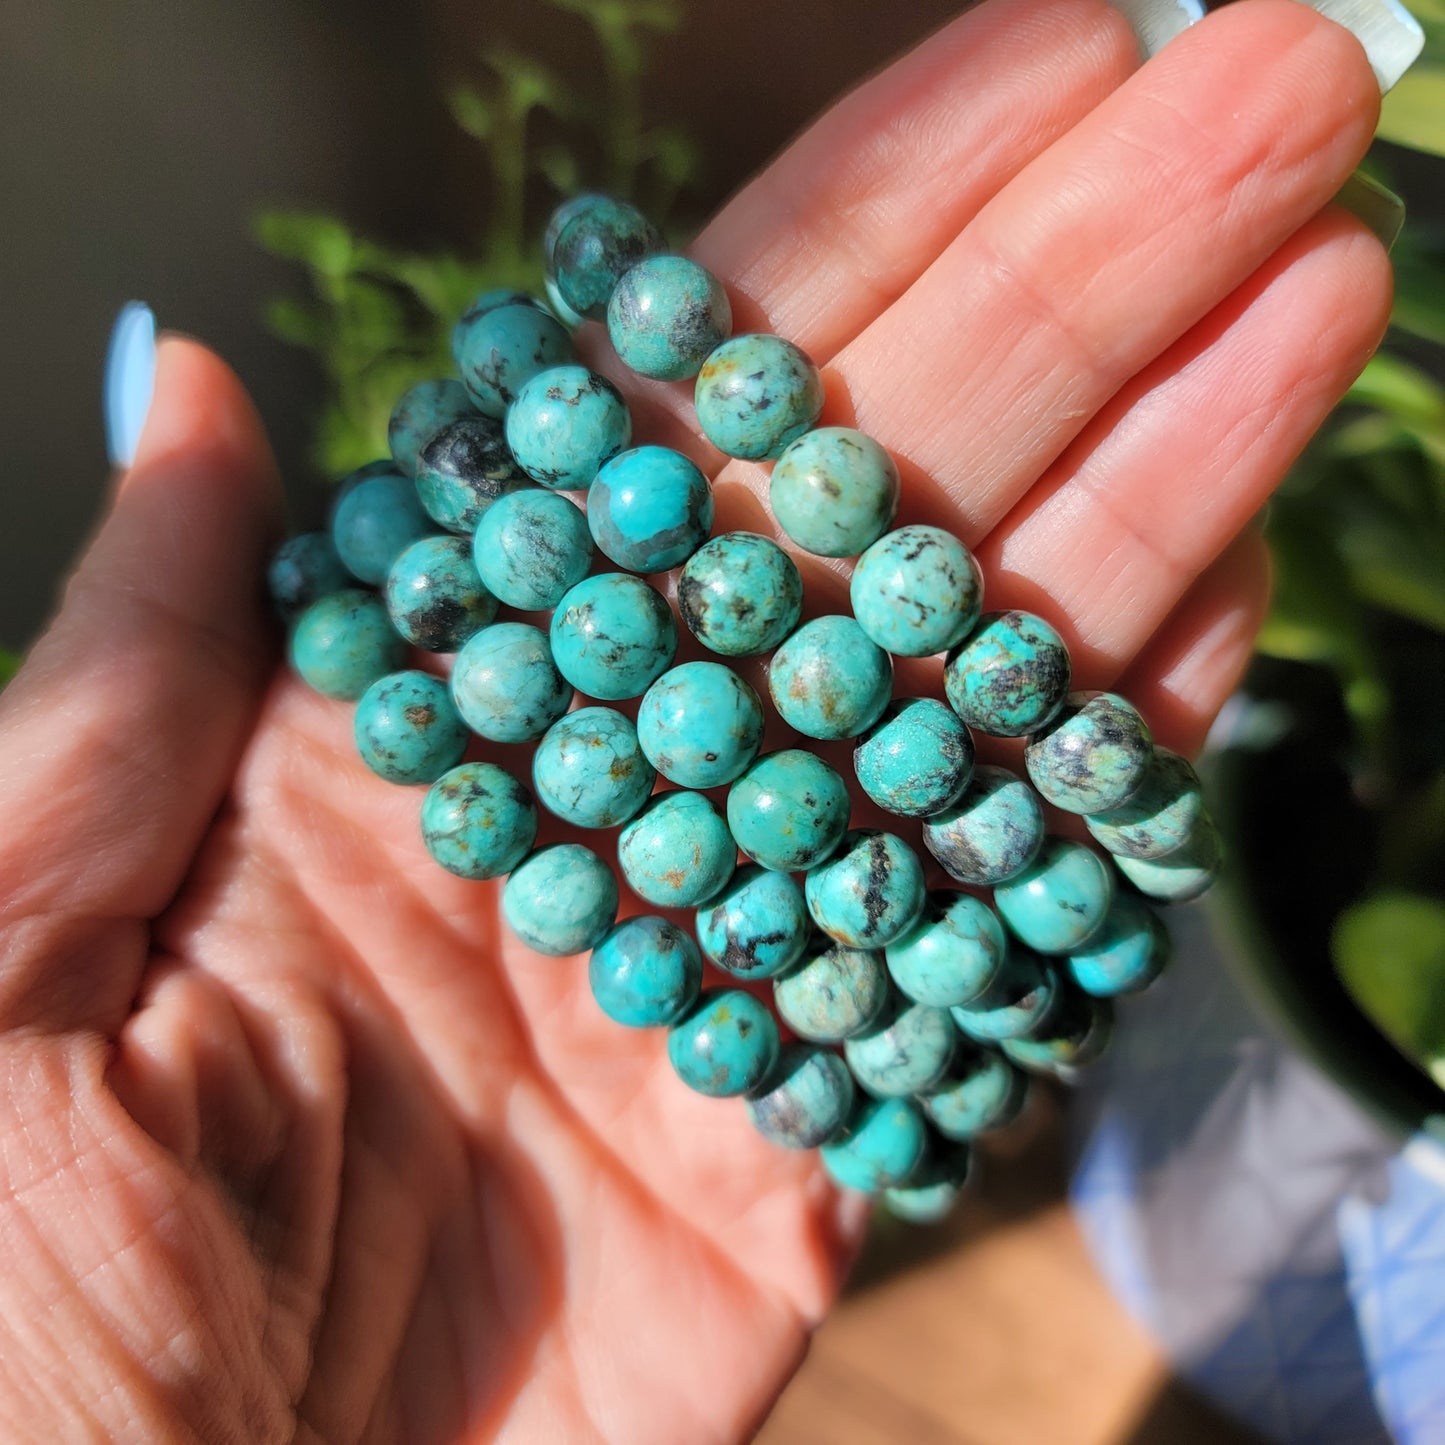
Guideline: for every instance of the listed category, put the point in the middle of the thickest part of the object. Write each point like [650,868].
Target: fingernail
[130,374]
[1157,22]
[1392,37]
[1376,205]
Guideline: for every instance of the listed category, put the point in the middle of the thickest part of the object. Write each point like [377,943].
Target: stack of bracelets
[916,1015]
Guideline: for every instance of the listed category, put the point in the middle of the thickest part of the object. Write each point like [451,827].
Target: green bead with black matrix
[740,594]
[789,810]
[594,248]
[952,954]
[992,833]
[833,993]
[756,927]
[666,317]
[343,642]
[805,1101]
[422,412]
[1010,676]
[589,771]
[434,595]
[304,569]
[1020,1002]
[726,1045]
[834,491]
[1092,756]
[917,591]
[828,680]
[532,548]
[700,725]
[565,425]
[1158,817]
[867,893]
[506,686]
[613,636]
[677,852]
[907,1051]
[981,1091]
[504,348]
[407,730]
[463,470]
[478,821]
[561,900]
[884,1142]
[917,759]
[1060,900]
[645,972]
[755,394]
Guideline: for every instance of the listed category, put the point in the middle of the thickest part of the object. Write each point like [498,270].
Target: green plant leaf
[472,111]
[1404,391]
[1413,114]
[559,166]
[321,242]
[296,323]
[9,665]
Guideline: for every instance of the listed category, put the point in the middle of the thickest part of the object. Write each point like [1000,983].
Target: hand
[296,1142]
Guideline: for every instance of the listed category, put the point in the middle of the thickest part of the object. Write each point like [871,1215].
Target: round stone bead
[504,348]
[645,973]
[478,821]
[1011,675]
[677,851]
[740,594]
[1129,951]
[726,1045]
[788,811]
[488,301]
[1059,901]
[1158,817]
[755,394]
[952,954]
[906,1052]
[834,491]
[565,424]
[435,598]
[833,994]
[506,686]
[304,569]
[933,1189]
[407,730]
[650,509]
[376,521]
[992,833]
[1092,756]
[917,591]
[594,248]
[561,900]
[383,467]
[981,1091]
[700,725]
[422,412]
[867,893]
[828,680]
[344,642]
[1019,1003]
[916,760]
[1183,874]
[463,470]
[589,770]
[666,316]
[758,926]
[1077,1035]
[805,1101]
[884,1143]
[531,548]
[613,635]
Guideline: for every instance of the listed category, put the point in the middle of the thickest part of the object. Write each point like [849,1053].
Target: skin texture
[298,1144]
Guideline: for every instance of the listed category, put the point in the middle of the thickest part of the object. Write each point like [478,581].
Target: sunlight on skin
[298,1142]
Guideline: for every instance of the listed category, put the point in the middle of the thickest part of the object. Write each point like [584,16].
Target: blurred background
[316,190]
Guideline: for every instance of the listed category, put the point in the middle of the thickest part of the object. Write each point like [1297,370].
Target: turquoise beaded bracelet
[917,1014]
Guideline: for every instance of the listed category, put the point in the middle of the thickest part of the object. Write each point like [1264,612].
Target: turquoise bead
[700,725]
[740,594]
[564,212]
[1158,817]
[805,1101]
[594,248]
[342,643]
[916,760]
[650,509]
[952,954]
[531,548]
[992,833]
[755,394]
[407,730]
[832,994]
[758,926]
[917,591]
[1092,756]
[422,412]
[1059,901]
[834,491]
[613,635]
[504,348]
[1129,951]
[726,1045]
[375,522]
[384,467]
[434,596]
[1010,677]
[478,821]
[981,1091]
[1020,1002]
[1183,874]
[933,1189]
[561,900]
[788,811]
[666,316]
[1077,1035]
[589,770]
[884,1143]
[506,686]
[646,972]
[560,309]
[907,1051]
[488,301]
[463,470]
[565,424]
[304,569]
[828,680]
[677,851]
[867,893]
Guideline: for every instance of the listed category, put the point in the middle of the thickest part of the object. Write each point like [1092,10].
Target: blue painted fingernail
[130,376]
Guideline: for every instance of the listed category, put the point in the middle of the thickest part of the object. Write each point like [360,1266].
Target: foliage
[9,665]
